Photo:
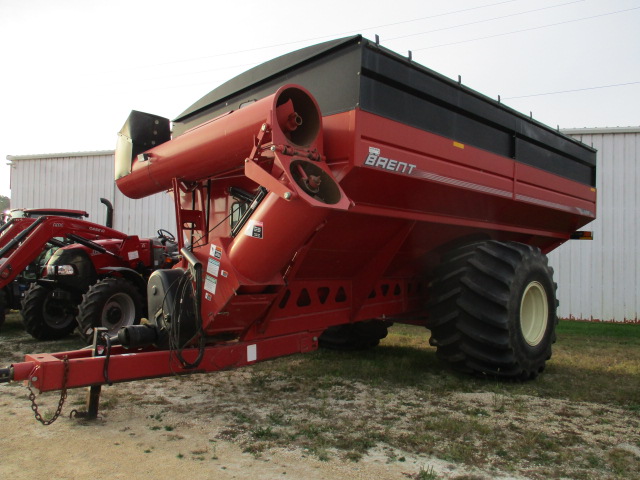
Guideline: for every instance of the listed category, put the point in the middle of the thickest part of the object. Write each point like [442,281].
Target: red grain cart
[332,191]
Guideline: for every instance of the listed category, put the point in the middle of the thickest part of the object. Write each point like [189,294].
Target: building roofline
[599,130]
[12,158]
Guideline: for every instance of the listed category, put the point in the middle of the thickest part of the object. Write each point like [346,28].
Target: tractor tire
[112,303]
[46,317]
[492,310]
[354,336]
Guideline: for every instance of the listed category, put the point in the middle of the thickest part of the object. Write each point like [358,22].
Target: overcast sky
[72,70]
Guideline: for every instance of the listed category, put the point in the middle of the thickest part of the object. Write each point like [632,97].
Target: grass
[406,399]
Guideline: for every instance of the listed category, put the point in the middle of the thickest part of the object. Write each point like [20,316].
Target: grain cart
[329,192]
[96,276]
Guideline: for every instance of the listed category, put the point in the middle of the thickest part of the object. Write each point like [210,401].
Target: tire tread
[469,309]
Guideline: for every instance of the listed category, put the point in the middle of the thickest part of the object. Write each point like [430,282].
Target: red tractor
[91,275]
[327,193]
[12,294]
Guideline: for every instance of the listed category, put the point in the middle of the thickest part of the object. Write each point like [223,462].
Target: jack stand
[93,402]
[93,394]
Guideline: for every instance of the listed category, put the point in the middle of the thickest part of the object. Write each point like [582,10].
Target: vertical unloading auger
[208,313]
[270,149]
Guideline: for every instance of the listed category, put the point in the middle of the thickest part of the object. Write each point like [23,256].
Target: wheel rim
[119,311]
[534,313]
[57,313]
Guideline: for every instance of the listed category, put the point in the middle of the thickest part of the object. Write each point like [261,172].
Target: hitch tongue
[6,374]
[137,336]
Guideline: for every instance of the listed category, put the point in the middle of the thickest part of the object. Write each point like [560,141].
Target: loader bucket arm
[10,230]
[23,241]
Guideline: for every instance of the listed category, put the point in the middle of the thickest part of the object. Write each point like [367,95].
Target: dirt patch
[271,422]
[149,430]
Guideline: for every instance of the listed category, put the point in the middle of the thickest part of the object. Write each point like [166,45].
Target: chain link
[63,397]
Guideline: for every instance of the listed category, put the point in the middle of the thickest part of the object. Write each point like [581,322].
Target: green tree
[5,203]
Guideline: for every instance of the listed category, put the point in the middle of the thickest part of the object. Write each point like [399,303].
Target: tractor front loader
[15,221]
[95,277]
[328,193]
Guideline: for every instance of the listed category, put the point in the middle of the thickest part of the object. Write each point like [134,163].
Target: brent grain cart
[327,193]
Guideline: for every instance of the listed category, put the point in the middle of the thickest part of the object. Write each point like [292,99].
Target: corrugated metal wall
[600,279]
[78,181]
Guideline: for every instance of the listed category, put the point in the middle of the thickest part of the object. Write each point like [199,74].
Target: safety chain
[63,397]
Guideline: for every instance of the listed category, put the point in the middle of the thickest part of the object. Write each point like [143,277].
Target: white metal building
[597,280]
[600,279]
[78,181]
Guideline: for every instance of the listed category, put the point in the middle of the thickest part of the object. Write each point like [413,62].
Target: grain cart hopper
[326,193]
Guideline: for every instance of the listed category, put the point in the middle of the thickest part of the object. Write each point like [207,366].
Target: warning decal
[252,353]
[215,252]
[210,284]
[254,229]
[213,267]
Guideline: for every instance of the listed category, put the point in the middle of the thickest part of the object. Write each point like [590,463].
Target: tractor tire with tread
[492,310]
[113,303]
[46,317]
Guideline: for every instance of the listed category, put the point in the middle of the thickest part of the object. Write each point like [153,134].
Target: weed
[277,418]
[107,403]
[214,449]
[499,402]
[426,474]
[353,456]
[312,431]
[322,455]
[623,463]
[255,449]
[242,417]
[264,433]
[461,452]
